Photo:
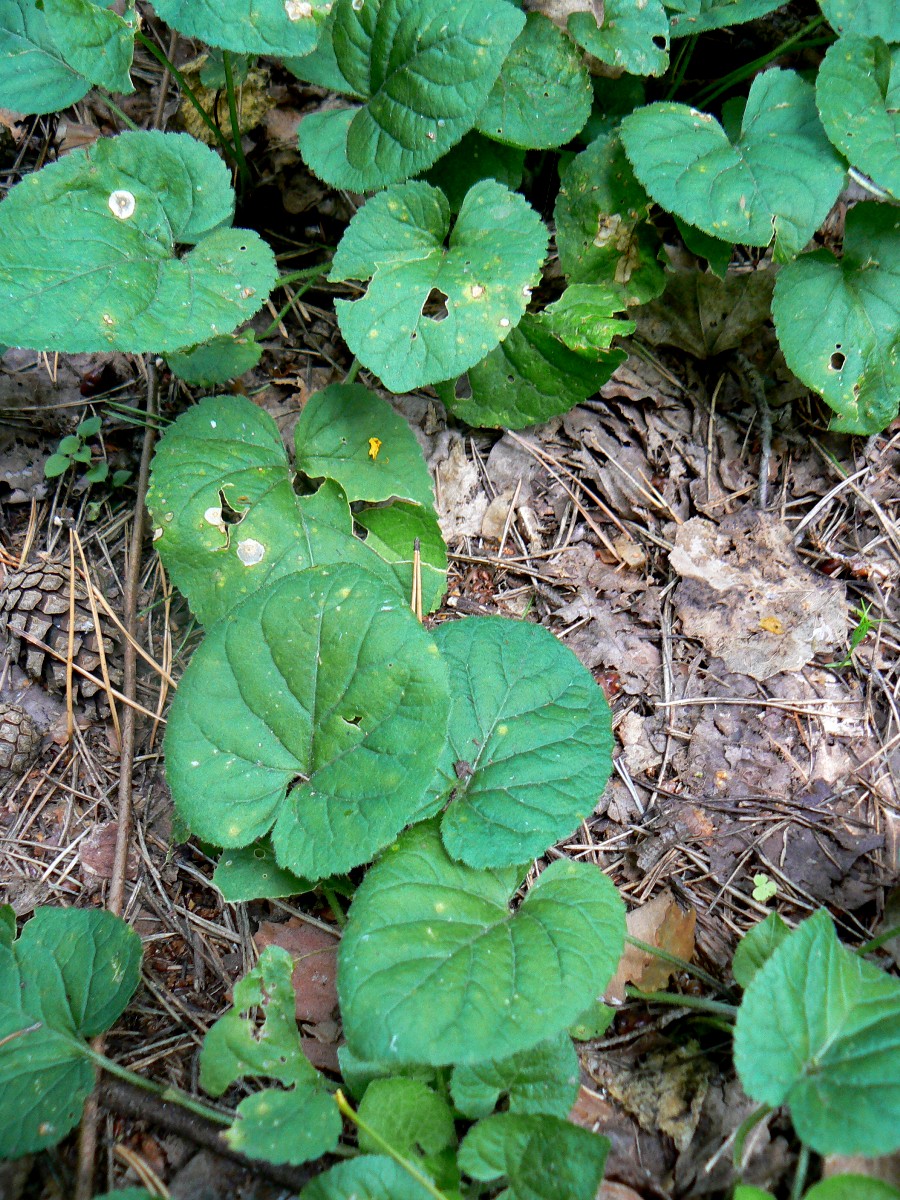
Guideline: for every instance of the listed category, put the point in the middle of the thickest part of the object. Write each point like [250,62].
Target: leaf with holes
[369,1177]
[226,518]
[88,250]
[716,14]
[541,1080]
[252,873]
[423,70]
[633,37]
[601,230]
[542,96]
[435,968]
[868,18]
[278,27]
[858,93]
[349,434]
[529,746]
[483,280]
[216,361]
[756,948]
[740,191]
[291,1126]
[529,378]
[329,731]
[819,1030]
[541,1157]
[67,978]
[392,533]
[838,320]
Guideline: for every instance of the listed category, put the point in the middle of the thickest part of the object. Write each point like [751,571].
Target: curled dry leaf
[314,952]
[661,922]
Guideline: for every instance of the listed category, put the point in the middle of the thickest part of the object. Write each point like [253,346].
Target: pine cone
[19,742]
[34,608]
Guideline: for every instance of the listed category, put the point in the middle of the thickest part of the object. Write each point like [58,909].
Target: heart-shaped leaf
[393,533]
[415,1122]
[423,70]
[858,93]
[542,1157]
[216,361]
[291,1126]
[369,1177]
[868,18]
[838,320]
[715,14]
[88,250]
[67,978]
[633,37]
[349,434]
[543,1079]
[819,1030]
[226,517]
[329,730]
[282,27]
[543,95]
[529,746]
[434,968]
[482,282]
[740,191]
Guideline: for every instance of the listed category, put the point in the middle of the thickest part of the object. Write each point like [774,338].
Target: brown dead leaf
[887,1169]
[314,952]
[636,1157]
[98,851]
[663,923]
[706,315]
[616,1191]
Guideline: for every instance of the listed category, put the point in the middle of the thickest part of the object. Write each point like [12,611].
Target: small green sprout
[858,636]
[764,888]
[74,449]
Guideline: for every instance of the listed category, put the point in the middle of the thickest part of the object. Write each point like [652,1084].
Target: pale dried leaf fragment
[663,923]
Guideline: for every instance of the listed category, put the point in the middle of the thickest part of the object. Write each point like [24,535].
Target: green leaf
[543,1079]
[743,1192]
[858,93]
[56,464]
[67,978]
[82,455]
[349,434]
[69,445]
[600,219]
[868,18]
[223,461]
[529,746]
[290,1126]
[88,250]
[851,1187]
[251,873]
[392,535]
[529,378]
[756,948]
[98,473]
[34,75]
[593,1022]
[370,1177]
[320,67]
[7,924]
[359,1073]
[483,281]
[542,1157]
[716,14]
[582,319]
[90,427]
[716,252]
[837,320]
[434,968]
[415,1122]
[423,71]
[471,160]
[248,26]
[634,37]
[330,730]
[126,1194]
[94,40]
[819,1030]
[543,94]
[217,360]
[740,191]
[212,73]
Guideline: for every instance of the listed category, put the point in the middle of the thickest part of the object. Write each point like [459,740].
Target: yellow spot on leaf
[771,625]
[374,447]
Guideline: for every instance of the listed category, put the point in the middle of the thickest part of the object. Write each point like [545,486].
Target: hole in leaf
[435,307]
[463,389]
[357,720]
[837,360]
[230,516]
[659,42]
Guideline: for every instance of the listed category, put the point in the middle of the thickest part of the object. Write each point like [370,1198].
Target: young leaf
[423,70]
[291,1126]
[88,250]
[55,465]
[225,458]
[392,535]
[90,427]
[217,360]
[483,281]
[67,978]
[248,26]
[739,191]
[415,1122]
[543,95]
[819,1030]
[370,1177]
[851,1187]
[98,473]
[756,948]
[471,160]
[434,968]
[543,1079]
[529,745]
[34,75]
[717,253]
[858,94]
[251,873]
[542,1157]
[633,37]
[582,319]
[837,320]
[593,1022]
[359,1073]
[349,434]
[94,40]
[715,14]
[330,730]
[868,18]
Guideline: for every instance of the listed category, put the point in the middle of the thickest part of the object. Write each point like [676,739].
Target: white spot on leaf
[122,204]
[296,9]
[250,552]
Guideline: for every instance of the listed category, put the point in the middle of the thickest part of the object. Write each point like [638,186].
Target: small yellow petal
[374,447]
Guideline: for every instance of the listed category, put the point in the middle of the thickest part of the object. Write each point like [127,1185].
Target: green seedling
[74,450]
[860,632]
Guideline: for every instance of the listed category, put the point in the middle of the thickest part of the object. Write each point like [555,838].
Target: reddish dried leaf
[314,952]
[663,923]
[97,854]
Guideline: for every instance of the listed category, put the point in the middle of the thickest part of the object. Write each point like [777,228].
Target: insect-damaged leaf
[632,37]
[317,707]
[392,534]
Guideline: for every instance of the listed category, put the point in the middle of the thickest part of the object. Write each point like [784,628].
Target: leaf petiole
[404,1163]
[173,1094]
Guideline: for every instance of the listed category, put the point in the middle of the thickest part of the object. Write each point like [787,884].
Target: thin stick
[416,603]
[70,648]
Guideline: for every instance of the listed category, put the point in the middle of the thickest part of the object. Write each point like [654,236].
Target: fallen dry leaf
[661,922]
[98,851]
[314,952]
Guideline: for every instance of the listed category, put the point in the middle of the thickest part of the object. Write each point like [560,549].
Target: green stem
[877,942]
[706,97]
[676,962]
[354,371]
[681,65]
[175,1095]
[282,313]
[334,904]
[190,93]
[698,1002]
[800,1174]
[113,107]
[744,1129]
[387,1148]
[243,169]
[310,273]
